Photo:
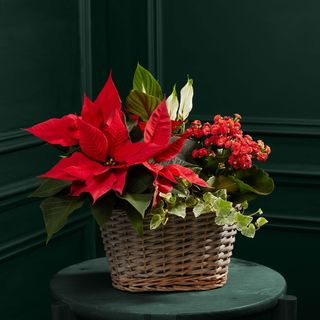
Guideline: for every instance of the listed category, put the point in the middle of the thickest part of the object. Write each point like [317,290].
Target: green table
[84,291]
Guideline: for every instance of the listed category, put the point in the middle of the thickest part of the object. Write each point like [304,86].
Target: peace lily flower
[180,111]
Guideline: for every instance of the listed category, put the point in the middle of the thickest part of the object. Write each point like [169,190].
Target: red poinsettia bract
[105,150]
[165,178]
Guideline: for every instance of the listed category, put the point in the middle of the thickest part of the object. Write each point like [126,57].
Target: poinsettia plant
[148,158]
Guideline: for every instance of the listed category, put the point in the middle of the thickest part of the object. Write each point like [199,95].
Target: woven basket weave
[184,255]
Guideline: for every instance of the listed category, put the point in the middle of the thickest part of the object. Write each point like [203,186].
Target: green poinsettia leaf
[139,181]
[180,209]
[135,219]
[141,104]
[102,208]
[56,211]
[254,180]
[241,220]
[156,221]
[50,187]
[249,231]
[139,201]
[144,81]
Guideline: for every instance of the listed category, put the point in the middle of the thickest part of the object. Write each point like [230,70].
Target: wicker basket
[185,255]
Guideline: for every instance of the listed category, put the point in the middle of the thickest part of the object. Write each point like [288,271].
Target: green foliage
[50,187]
[179,209]
[255,180]
[56,211]
[146,94]
[139,201]
[135,219]
[141,104]
[156,221]
[159,215]
[144,81]
[102,208]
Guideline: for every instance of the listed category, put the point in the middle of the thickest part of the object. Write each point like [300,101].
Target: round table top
[86,288]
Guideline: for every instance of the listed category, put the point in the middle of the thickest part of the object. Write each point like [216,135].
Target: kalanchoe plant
[142,157]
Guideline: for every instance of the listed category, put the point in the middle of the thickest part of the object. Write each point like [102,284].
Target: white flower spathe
[186,95]
[173,104]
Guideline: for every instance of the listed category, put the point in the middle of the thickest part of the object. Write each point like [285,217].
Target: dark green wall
[256,58]
[260,59]
[44,56]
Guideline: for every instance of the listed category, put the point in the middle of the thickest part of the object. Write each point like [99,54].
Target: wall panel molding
[292,223]
[155,60]
[36,239]
[16,192]
[85,46]
[16,140]
[275,126]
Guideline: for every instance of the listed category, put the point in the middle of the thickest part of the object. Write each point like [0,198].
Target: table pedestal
[253,292]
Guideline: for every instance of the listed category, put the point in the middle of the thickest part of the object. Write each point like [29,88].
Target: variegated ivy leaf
[209,198]
[180,191]
[225,218]
[249,231]
[245,205]
[155,222]
[260,222]
[224,212]
[222,193]
[169,198]
[222,207]
[242,221]
[173,104]
[186,95]
[201,208]
[191,201]
[179,209]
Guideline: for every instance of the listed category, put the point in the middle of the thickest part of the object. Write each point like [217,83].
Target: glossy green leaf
[254,180]
[222,182]
[141,104]
[139,201]
[135,219]
[144,81]
[56,211]
[50,187]
[102,208]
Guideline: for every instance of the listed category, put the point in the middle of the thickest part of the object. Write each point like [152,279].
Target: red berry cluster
[226,133]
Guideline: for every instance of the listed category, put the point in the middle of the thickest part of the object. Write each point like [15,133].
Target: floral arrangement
[148,158]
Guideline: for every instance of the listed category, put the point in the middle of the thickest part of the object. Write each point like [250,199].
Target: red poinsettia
[165,178]
[105,150]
